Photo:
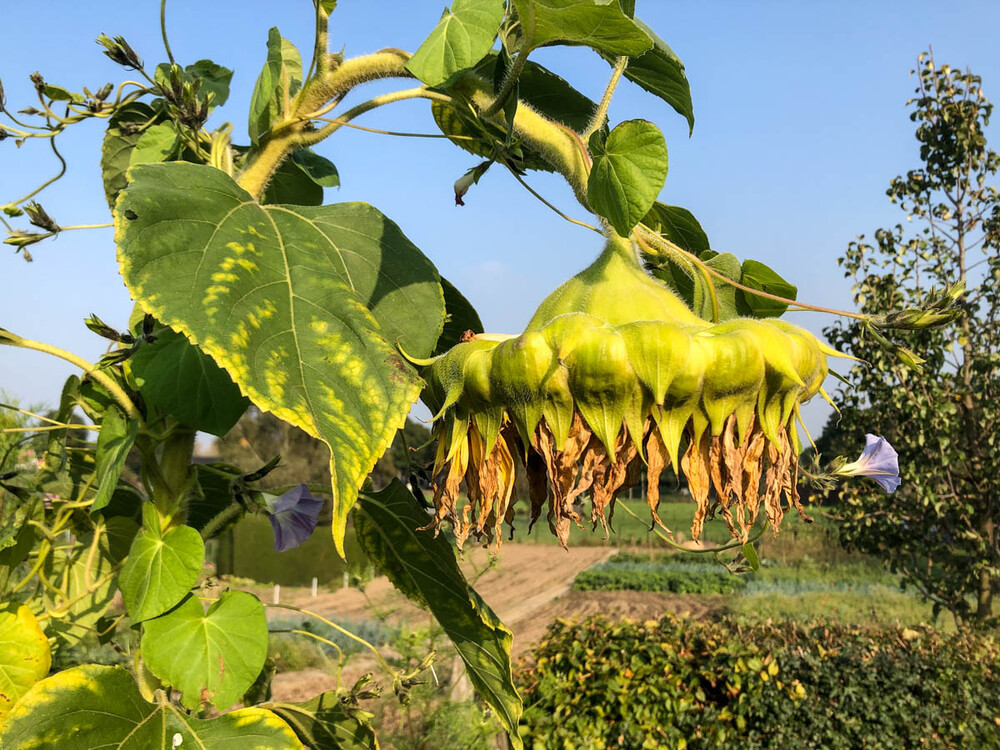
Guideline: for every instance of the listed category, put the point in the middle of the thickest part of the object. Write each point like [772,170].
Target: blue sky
[800,124]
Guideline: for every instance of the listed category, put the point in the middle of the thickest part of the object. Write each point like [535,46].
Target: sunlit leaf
[93,706]
[679,226]
[461,38]
[24,654]
[210,656]
[599,24]
[161,568]
[630,167]
[302,306]
[277,83]
[423,566]
[156,143]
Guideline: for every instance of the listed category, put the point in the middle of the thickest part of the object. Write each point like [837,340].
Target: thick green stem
[287,134]
[175,470]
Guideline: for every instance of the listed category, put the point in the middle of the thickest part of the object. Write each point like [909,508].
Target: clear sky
[800,124]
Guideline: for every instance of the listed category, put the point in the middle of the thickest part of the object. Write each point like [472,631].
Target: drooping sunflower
[615,376]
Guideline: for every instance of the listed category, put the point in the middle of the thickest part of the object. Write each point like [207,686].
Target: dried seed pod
[615,375]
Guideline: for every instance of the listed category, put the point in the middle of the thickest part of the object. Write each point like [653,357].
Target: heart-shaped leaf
[758,276]
[125,127]
[302,306]
[181,380]
[630,167]
[211,656]
[93,706]
[24,654]
[161,568]
[423,566]
[599,24]
[461,38]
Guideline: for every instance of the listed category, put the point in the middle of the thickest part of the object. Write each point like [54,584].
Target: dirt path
[528,586]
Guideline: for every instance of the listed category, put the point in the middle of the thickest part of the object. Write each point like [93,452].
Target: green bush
[681,683]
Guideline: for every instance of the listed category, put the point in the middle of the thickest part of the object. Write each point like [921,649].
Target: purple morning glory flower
[878,461]
[293,517]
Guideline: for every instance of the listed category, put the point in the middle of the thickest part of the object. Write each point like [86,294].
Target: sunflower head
[615,377]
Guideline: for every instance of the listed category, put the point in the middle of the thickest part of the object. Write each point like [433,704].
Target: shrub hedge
[682,683]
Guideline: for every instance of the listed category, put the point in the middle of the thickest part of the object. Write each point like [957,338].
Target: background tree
[940,528]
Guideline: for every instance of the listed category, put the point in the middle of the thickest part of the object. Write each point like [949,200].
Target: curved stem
[535,193]
[656,240]
[48,182]
[419,92]
[342,630]
[602,109]
[116,391]
[163,31]
[712,550]
[509,82]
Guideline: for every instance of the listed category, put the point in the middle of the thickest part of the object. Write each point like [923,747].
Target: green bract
[614,371]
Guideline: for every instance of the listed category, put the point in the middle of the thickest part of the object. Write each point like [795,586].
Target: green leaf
[679,226]
[629,170]
[291,185]
[460,316]
[181,380]
[423,567]
[302,306]
[211,656]
[750,553]
[120,138]
[599,24]
[324,723]
[161,568]
[758,276]
[156,143]
[277,83]
[24,654]
[215,79]
[113,445]
[86,582]
[461,38]
[321,170]
[659,71]
[695,286]
[94,706]
[59,94]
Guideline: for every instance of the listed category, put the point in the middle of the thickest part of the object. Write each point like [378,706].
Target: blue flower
[293,517]
[878,461]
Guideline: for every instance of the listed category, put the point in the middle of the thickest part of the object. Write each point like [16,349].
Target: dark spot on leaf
[130,214]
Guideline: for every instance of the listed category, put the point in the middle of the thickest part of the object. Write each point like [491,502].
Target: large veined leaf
[24,654]
[599,24]
[630,167]
[324,723]
[93,706]
[161,568]
[461,38]
[156,143]
[85,581]
[661,72]
[423,567]
[181,380]
[210,656]
[303,306]
[279,80]
[113,445]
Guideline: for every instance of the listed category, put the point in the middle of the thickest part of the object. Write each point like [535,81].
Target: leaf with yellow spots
[97,706]
[24,654]
[303,306]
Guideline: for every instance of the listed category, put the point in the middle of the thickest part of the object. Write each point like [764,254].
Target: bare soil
[527,585]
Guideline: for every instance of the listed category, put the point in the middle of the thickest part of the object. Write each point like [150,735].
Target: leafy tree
[940,528]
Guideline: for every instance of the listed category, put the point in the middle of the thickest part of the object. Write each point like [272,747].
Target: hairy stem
[601,114]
